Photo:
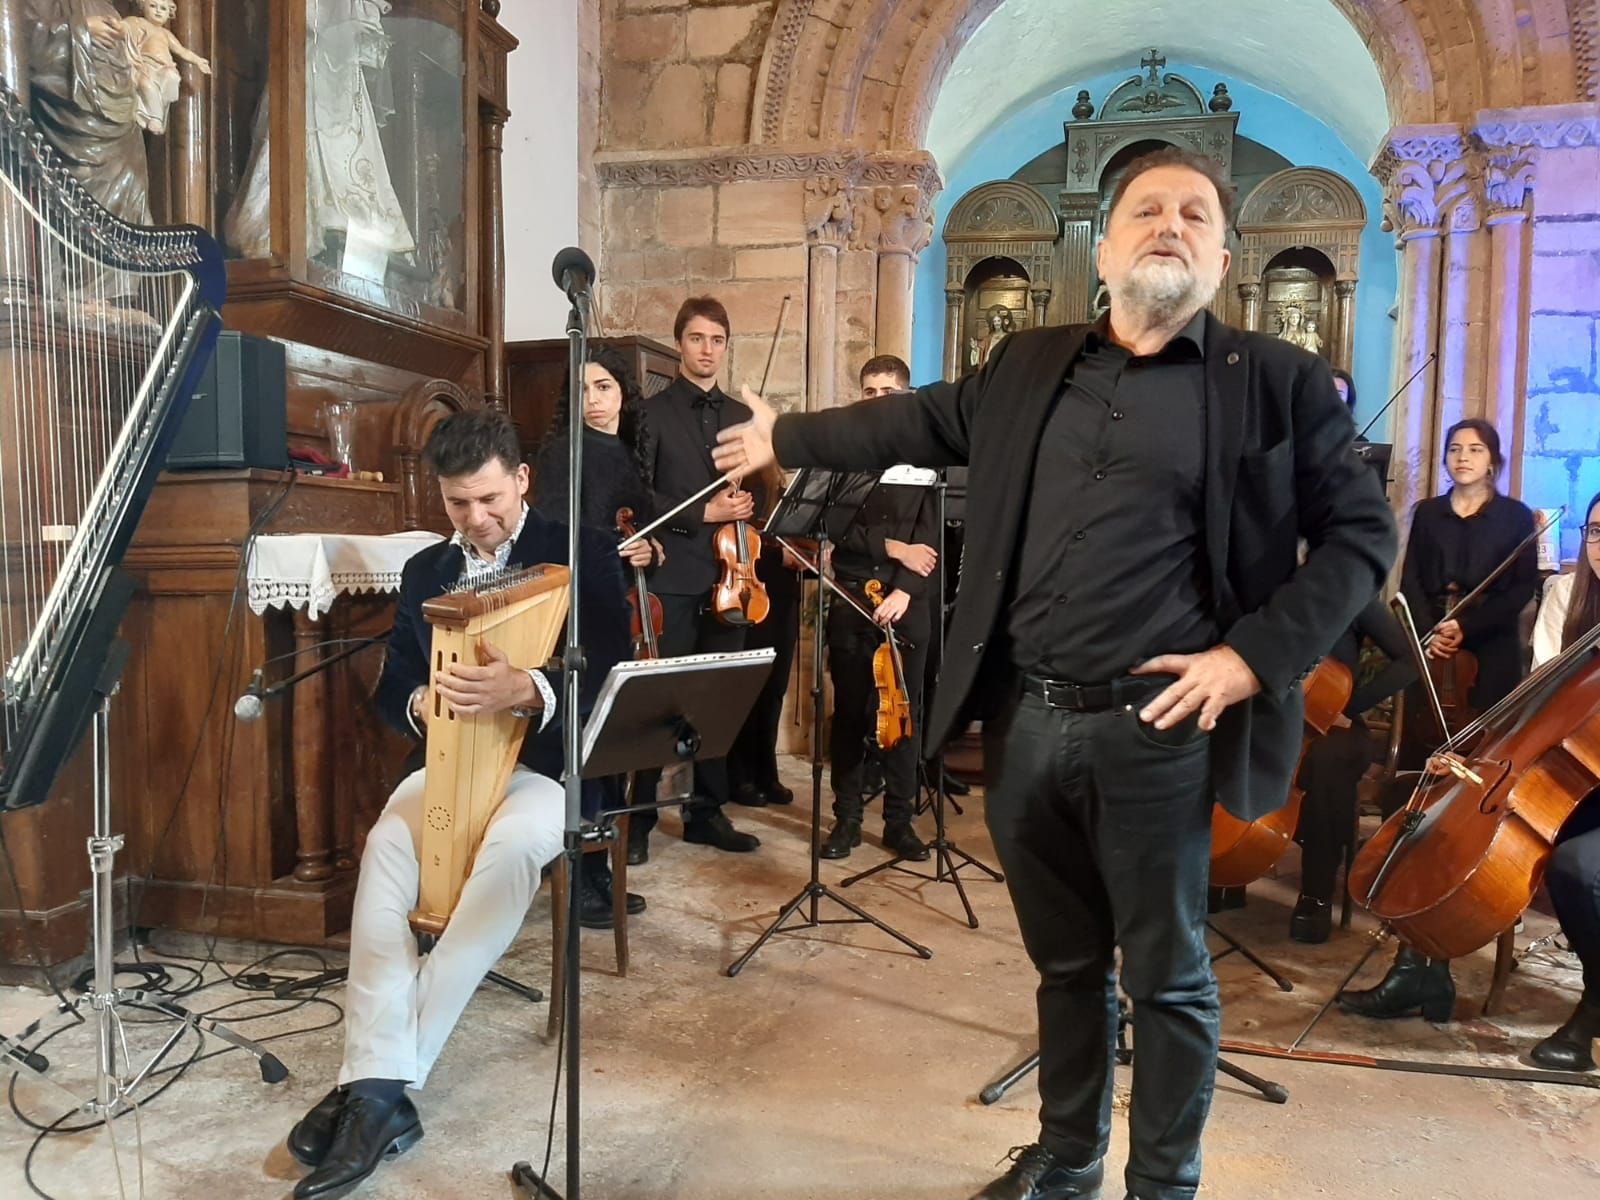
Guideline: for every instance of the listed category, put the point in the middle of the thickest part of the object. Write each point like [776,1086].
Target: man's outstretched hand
[746,448]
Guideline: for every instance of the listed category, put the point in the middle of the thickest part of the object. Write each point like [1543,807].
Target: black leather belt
[1094,697]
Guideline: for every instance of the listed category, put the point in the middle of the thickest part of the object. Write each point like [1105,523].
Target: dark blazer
[679,463]
[892,510]
[1278,467]
[603,625]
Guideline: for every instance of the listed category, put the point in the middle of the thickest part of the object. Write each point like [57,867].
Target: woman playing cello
[1457,541]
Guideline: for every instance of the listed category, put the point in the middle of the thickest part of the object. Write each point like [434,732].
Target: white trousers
[400,1006]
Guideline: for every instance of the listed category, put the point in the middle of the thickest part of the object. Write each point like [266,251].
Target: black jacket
[679,464]
[1279,467]
[603,625]
[892,510]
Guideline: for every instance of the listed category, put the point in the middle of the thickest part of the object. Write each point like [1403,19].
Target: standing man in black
[891,540]
[684,420]
[1132,629]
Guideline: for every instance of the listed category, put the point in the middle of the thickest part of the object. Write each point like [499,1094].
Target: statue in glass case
[999,324]
[1293,328]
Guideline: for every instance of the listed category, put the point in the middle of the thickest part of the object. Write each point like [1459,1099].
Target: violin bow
[1397,392]
[816,570]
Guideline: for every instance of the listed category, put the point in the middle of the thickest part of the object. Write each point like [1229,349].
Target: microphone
[573,271]
[248,706]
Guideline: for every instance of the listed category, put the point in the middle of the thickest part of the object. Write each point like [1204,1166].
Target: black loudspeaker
[238,415]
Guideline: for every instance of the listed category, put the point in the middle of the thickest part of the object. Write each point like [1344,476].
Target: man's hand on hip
[1207,682]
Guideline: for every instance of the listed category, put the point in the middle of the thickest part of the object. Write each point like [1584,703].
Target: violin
[889,676]
[1458,864]
[740,598]
[647,621]
[1454,677]
[1243,851]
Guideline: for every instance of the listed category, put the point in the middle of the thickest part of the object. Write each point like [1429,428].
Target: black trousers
[1573,878]
[1103,827]
[852,641]
[1329,772]
[686,629]
[754,757]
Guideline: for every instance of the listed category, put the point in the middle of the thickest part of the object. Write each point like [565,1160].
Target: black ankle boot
[1571,1048]
[1312,921]
[844,837]
[1415,983]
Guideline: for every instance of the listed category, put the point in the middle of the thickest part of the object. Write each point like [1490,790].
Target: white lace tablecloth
[310,570]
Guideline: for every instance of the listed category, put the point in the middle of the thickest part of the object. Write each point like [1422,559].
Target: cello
[1461,861]
[1243,851]
[647,619]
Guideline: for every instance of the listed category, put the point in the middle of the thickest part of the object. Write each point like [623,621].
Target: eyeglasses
[1591,533]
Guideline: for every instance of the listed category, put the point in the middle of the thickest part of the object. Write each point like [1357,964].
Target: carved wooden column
[1250,298]
[828,224]
[313,852]
[1075,297]
[1508,182]
[905,231]
[1041,302]
[492,280]
[1344,299]
[953,299]
[188,140]
[14,49]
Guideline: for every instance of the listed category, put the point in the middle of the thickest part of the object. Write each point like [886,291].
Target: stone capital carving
[829,213]
[904,221]
[1428,181]
[1507,179]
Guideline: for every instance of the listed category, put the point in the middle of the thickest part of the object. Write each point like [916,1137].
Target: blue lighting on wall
[1263,117]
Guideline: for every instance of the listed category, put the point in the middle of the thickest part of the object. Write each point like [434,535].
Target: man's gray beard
[1167,300]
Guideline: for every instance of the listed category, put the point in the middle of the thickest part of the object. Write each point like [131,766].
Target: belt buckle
[1058,693]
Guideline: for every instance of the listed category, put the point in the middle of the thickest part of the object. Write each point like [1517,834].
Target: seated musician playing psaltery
[401,1005]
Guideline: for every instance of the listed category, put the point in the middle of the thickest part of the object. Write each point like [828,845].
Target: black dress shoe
[638,845]
[901,840]
[1415,983]
[844,837]
[750,796]
[955,787]
[309,1139]
[1036,1174]
[778,794]
[1223,899]
[1571,1048]
[368,1131]
[1312,921]
[716,830]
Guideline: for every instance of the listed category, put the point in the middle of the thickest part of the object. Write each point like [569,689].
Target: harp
[105,327]
[470,758]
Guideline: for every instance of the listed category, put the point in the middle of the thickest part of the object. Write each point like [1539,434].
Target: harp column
[492,120]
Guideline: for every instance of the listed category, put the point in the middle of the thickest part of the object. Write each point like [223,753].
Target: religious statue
[998,324]
[152,49]
[1293,328]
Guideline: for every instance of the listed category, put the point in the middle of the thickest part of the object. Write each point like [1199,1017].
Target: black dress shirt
[1377,623]
[1110,567]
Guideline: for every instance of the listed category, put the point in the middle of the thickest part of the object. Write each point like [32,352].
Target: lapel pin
[1233,358]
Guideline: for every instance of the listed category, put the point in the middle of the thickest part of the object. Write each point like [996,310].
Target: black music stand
[946,867]
[648,712]
[814,501]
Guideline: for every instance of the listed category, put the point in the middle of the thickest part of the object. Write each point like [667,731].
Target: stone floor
[840,1065]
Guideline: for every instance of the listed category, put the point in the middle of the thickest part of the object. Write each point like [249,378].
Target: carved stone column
[828,224]
[1344,299]
[1250,299]
[313,850]
[905,230]
[1041,302]
[188,139]
[492,278]
[1508,181]
[953,350]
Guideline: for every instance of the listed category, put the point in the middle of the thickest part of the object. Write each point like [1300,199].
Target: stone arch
[868,73]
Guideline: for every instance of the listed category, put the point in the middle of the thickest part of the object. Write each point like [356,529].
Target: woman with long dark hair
[1571,608]
[1458,539]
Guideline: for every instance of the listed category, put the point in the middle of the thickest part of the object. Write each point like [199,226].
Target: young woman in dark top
[1460,538]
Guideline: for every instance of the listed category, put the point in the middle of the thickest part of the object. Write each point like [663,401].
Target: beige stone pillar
[828,223]
[1458,368]
[1344,299]
[1250,300]
[904,231]
[954,348]
[1508,180]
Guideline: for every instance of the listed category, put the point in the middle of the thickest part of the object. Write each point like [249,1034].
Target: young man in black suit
[1132,629]
[890,540]
[685,418]
[399,1007]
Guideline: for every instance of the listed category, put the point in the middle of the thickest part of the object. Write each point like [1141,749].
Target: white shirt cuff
[546,694]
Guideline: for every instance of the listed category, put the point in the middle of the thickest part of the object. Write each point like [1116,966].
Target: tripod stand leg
[529,1185]
[805,893]
[531,994]
[272,1068]
[862,914]
[1269,1090]
[946,870]
[1238,947]
[1001,1086]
